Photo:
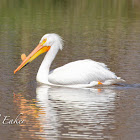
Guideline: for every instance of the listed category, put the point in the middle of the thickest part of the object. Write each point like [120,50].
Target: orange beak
[34,54]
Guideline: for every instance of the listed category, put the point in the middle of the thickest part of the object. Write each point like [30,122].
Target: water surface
[107,32]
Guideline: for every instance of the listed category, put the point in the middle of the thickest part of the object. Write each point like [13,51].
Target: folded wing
[81,72]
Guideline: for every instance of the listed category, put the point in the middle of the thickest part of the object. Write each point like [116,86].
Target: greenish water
[105,31]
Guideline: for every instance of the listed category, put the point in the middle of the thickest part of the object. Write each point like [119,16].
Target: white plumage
[82,73]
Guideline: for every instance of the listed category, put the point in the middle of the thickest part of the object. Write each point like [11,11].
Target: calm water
[105,31]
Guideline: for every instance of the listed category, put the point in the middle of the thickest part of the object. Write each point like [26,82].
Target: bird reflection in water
[68,113]
[76,113]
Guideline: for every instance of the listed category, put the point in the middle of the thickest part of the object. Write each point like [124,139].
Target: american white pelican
[81,73]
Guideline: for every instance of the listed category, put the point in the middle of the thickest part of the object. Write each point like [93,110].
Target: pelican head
[47,42]
[52,39]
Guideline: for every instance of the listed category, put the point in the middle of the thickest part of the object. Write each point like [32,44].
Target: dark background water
[105,31]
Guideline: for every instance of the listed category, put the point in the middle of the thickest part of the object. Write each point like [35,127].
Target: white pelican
[81,73]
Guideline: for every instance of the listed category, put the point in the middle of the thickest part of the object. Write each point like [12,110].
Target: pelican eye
[44,40]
